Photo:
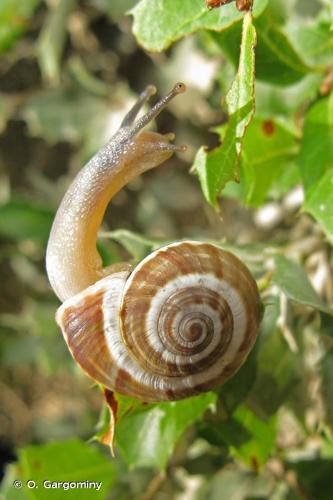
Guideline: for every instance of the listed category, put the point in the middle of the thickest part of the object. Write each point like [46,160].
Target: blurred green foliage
[14,20]
[69,70]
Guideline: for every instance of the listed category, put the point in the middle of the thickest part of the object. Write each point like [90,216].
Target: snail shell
[182,322]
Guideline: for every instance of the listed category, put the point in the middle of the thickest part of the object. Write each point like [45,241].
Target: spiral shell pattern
[180,324]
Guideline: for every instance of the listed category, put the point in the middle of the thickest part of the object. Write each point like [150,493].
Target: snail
[179,323]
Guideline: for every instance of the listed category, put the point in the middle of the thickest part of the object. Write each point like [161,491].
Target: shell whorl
[181,323]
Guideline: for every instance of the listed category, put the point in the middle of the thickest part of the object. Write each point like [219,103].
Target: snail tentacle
[149,91]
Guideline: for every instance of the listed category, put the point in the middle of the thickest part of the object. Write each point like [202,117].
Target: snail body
[179,323]
[72,260]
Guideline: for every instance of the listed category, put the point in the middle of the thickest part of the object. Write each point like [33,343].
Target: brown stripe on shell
[253,312]
[126,384]
[211,299]
[82,325]
[210,257]
[167,264]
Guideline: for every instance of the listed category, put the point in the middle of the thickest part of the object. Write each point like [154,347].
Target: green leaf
[257,449]
[148,437]
[86,80]
[291,278]
[14,20]
[219,166]
[235,390]
[65,461]
[329,5]
[130,406]
[326,324]
[7,491]
[277,61]
[290,177]
[72,115]
[159,23]
[278,369]
[237,484]
[116,8]
[327,448]
[281,11]
[138,246]
[24,220]
[315,476]
[314,42]
[61,115]
[326,373]
[316,153]
[266,153]
[108,252]
[316,163]
[52,40]
[283,101]
[224,433]
[249,438]
[319,203]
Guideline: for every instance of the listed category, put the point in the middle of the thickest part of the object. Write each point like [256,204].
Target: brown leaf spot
[268,127]
[255,463]
[36,464]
